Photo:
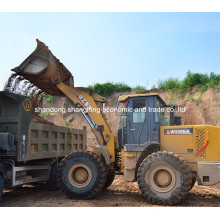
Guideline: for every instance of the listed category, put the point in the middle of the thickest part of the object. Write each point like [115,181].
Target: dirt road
[118,195]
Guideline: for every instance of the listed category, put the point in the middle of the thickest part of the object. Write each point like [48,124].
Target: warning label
[178,131]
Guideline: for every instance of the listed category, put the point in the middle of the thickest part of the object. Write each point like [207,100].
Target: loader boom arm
[93,114]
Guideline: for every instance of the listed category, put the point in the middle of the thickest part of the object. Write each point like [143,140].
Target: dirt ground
[119,194]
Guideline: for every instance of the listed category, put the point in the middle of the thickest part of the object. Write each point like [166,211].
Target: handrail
[143,127]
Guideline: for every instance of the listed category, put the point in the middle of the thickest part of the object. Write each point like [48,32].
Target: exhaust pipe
[44,70]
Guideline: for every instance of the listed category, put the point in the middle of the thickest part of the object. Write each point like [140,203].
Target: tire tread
[180,193]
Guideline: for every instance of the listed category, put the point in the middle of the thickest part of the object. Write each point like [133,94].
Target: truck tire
[109,180]
[194,178]
[52,183]
[164,178]
[1,187]
[82,175]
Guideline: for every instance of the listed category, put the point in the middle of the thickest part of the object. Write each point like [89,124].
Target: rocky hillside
[200,108]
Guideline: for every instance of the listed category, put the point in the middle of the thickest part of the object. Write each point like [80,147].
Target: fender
[103,152]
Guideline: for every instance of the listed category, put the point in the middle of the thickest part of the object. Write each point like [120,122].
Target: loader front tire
[164,178]
[82,175]
[52,183]
[1,187]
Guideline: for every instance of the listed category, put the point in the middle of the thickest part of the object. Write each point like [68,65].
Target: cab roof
[125,97]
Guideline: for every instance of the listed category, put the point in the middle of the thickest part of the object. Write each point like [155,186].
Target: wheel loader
[152,147]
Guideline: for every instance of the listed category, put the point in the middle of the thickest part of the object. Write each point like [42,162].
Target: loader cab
[141,118]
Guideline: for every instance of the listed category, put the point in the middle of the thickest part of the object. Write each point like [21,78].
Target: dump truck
[30,151]
[152,147]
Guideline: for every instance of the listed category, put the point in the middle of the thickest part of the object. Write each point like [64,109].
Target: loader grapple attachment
[44,70]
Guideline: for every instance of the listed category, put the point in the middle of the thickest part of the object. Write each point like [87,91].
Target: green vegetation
[198,100]
[216,89]
[139,88]
[170,83]
[107,89]
[190,97]
[202,81]
[171,97]
[68,123]
[191,80]
[179,94]
[49,98]
[70,139]
[42,115]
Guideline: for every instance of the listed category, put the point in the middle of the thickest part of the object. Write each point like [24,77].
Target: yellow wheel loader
[152,147]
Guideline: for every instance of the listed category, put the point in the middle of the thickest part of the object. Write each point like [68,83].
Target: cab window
[123,120]
[139,110]
[162,115]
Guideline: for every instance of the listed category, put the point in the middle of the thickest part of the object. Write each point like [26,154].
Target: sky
[135,48]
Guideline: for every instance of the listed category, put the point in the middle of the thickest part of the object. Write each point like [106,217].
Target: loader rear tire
[1,187]
[82,175]
[164,178]
[109,180]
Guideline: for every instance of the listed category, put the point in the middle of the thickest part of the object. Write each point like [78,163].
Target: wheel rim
[80,175]
[162,179]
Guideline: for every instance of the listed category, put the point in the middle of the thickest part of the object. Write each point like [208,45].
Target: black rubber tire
[194,178]
[1,187]
[182,173]
[97,182]
[52,183]
[109,180]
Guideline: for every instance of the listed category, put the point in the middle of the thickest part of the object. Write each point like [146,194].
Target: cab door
[141,125]
[136,120]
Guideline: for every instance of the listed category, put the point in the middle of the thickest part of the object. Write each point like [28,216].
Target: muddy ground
[120,194]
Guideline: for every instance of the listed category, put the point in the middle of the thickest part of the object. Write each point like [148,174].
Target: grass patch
[170,83]
[216,89]
[190,97]
[43,114]
[199,99]
[171,97]
[191,79]
[180,94]
[68,123]
[139,88]
[49,98]
[107,89]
